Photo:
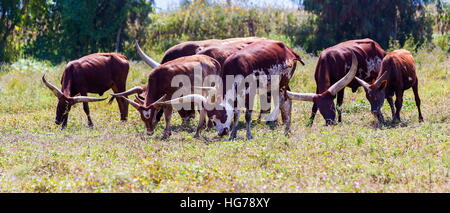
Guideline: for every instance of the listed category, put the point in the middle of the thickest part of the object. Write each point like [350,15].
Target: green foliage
[67,29]
[385,20]
[199,20]
[13,14]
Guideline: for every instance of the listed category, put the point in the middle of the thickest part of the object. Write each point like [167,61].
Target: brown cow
[398,73]
[95,73]
[334,62]
[263,58]
[217,49]
[159,87]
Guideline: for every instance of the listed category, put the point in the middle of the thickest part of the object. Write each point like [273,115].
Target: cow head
[221,116]
[147,112]
[65,102]
[376,94]
[324,101]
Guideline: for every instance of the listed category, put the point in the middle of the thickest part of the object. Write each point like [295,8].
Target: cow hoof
[232,137]
[249,136]
[287,133]
[271,123]
[166,135]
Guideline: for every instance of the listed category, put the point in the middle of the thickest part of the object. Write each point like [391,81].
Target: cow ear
[383,85]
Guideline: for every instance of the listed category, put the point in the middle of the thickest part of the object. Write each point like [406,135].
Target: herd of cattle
[348,64]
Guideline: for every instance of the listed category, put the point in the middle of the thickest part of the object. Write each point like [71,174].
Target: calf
[398,73]
[334,62]
[95,73]
[159,87]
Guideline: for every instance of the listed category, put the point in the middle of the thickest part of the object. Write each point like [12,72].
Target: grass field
[36,156]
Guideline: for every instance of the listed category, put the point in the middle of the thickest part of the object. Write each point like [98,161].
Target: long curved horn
[134,104]
[152,63]
[346,79]
[138,98]
[301,96]
[53,88]
[377,83]
[209,90]
[159,101]
[362,82]
[196,98]
[86,99]
[129,92]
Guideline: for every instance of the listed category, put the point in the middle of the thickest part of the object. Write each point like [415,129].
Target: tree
[383,20]
[74,28]
[11,15]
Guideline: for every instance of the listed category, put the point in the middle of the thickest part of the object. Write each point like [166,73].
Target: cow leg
[417,99]
[265,100]
[167,117]
[65,118]
[313,115]
[236,115]
[398,105]
[273,116]
[248,122]
[201,122]
[121,102]
[391,104]
[340,100]
[286,108]
[86,110]
[159,115]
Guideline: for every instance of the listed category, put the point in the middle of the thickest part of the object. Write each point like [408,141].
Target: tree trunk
[118,38]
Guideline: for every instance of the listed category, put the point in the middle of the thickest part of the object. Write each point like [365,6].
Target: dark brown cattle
[95,73]
[334,62]
[193,47]
[263,58]
[159,87]
[398,73]
[217,49]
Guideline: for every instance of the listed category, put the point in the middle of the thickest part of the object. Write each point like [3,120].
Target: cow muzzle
[149,132]
[330,122]
[223,132]
[378,115]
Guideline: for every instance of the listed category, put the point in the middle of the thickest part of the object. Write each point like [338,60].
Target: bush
[199,21]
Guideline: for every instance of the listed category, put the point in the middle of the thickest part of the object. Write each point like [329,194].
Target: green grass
[35,156]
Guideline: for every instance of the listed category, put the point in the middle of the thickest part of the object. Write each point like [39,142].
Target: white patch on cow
[146,114]
[284,69]
[410,79]
[373,65]
[229,113]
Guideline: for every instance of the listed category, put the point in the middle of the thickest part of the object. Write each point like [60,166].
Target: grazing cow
[398,73]
[324,101]
[263,58]
[335,61]
[159,87]
[217,49]
[95,73]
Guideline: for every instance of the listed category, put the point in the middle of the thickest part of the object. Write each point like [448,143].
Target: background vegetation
[61,30]
[35,156]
